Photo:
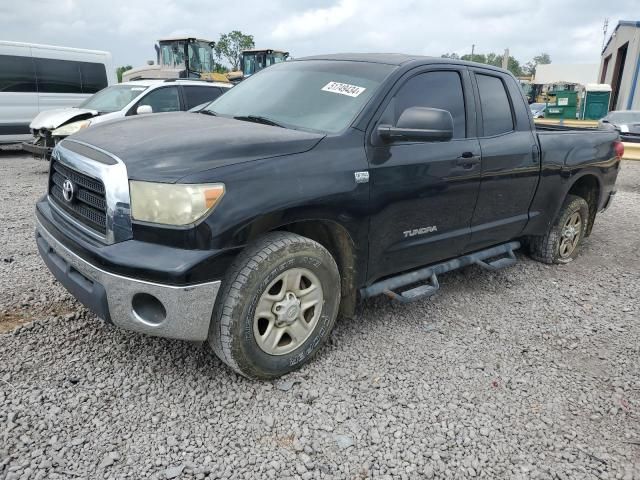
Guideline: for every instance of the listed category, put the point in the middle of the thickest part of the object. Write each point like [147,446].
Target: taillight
[618,147]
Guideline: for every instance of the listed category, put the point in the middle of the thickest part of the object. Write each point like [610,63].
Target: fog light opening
[148,309]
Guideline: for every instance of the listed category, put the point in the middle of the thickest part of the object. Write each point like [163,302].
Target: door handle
[468,160]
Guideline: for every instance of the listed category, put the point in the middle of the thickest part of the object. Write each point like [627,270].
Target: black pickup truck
[317,182]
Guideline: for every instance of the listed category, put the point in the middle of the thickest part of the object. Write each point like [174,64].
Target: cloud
[570,31]
[319,20]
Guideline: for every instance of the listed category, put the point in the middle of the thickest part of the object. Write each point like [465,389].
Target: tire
[275,274]
[553,247]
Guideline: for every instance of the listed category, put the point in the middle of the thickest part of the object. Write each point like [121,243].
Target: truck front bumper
[182,312]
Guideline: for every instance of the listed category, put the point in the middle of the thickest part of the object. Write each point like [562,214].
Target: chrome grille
[88,204]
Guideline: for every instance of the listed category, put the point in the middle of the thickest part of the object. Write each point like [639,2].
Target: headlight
[173,204]
[70,128]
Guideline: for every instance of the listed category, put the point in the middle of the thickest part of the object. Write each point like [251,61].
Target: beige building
[620,66]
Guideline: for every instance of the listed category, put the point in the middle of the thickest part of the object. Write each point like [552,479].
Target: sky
[570,31]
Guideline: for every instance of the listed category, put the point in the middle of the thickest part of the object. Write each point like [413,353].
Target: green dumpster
[565,106]
[595,101]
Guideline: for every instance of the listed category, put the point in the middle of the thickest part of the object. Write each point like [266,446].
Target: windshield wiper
[258,119]
[207,112]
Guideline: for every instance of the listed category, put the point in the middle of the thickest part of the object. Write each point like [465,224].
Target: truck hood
[51,119]
[165,147]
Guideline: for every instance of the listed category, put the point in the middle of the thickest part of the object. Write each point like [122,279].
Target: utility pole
[605,28]
[505,59]
[473,47]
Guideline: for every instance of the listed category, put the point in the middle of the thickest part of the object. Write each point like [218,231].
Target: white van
[34,78]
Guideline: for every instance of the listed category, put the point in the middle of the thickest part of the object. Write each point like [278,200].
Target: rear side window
[66,76]
[435,90]
[162,100]
[58,76]
[198,95]
[17,74]
[94,77]
[497,117]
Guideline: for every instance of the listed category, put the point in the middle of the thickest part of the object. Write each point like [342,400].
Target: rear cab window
[497,115]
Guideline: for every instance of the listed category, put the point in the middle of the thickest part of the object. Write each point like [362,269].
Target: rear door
[510,160]
[195,95]
[423,193]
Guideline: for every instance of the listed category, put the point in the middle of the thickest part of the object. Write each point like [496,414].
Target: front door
[423,194]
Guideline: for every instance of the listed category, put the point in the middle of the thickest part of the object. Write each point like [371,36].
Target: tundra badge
[419,231]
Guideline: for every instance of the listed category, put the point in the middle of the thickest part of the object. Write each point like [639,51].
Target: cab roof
[396,59]
[181,81]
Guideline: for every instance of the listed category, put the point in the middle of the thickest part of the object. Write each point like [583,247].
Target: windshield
[114,98]
[172,54]
[254,62]
[317,95]
[624,117]
[200,57]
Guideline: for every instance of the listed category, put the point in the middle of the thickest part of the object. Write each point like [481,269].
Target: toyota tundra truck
[253,223]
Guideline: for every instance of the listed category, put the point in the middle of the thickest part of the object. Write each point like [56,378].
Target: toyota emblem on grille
[68,190]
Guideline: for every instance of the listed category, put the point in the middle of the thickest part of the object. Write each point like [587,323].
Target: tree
[230,47]
[496,60]
[453,56]
[220,68]
[121,70]
[542,59]
[476,57]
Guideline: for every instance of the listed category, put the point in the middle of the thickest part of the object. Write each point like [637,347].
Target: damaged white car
[118,101]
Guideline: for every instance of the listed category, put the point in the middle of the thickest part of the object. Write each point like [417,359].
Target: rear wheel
[562,241]
[277,306]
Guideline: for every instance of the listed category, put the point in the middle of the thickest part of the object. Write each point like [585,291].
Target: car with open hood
[117,101]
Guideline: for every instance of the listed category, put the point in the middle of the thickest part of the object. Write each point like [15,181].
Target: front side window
[164,99]
[497,117]
[316,95]
[441,90]
[113,99]
[17,74]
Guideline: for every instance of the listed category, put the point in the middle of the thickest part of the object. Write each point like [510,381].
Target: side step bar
[480,258]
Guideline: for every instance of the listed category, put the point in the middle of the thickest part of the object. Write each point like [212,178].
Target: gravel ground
[531,372]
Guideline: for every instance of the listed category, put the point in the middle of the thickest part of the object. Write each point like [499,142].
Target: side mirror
[143,109]
[420,124]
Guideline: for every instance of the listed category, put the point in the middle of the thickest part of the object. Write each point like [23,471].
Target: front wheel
[562,241]
[277,306]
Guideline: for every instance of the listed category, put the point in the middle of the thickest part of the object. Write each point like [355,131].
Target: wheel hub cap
[569,232]
[570,235]
[288,311]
